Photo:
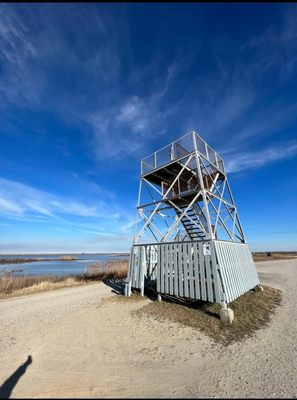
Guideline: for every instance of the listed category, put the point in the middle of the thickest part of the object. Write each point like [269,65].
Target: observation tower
[188,237]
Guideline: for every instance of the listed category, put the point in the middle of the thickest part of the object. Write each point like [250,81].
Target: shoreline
[20,259]
[15,285]
[6,261]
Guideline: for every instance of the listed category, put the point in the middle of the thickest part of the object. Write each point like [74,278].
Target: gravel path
[85,344]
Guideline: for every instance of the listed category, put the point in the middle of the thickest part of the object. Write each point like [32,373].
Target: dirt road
[84,344]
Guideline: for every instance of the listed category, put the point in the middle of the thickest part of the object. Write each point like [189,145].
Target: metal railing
[179,148]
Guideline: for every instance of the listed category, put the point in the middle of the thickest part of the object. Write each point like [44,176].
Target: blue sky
[86,91]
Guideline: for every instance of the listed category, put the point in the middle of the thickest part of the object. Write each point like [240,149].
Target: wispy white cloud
[132,123]
[224,104]
[20,200]
[258,159]
[237,102]
[18,56]
[134,113]
[15,47]
[10,206]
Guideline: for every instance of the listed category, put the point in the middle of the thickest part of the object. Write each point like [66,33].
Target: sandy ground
[85,344]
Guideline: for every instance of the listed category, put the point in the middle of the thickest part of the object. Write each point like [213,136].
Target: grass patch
[12,284]
[252,311]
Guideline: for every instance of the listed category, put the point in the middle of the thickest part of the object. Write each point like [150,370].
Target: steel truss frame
[210,211]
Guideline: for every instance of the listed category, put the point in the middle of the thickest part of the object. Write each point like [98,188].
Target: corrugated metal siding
[237,268]
[143,260]
[183,269]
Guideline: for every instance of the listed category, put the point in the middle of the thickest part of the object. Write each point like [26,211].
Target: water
[56,267]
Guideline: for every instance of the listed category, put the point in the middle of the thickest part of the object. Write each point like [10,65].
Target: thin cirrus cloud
[20,200]
[218,104]
[133,112]
[234,112]
[258,159]
[122,130]
[134,121]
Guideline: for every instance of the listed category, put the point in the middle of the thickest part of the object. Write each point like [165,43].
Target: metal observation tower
[188,237]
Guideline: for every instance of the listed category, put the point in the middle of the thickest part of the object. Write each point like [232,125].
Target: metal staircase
[193,226]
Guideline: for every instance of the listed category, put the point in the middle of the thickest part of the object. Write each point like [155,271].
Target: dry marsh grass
[105,270]
[274,255]
[17,285]
[43,286]
[252,311]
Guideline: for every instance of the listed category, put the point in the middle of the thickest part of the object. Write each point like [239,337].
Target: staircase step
[189,225]
[189,215]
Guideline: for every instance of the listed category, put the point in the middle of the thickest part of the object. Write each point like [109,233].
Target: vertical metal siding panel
[138,265]
[137,272]
[166,269]
[191,275]
[232,261]
[186,270]
[255,278]
[208,279]
[237,268]
[243,275]
[180,274]
[243,272]
[217,297]
[232,272]
[197,272]
[170,257]
[242,278]
[132,271]
[144,267]
[235,285]
[135,268]
[162,269]
[225,263]
[247,267]
[202,273]
[132,262]
[140,270]
[250,266]
[239,262]
[175,270]
[222,264]
[159,269]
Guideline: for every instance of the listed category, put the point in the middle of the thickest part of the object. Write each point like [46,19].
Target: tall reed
[11,283]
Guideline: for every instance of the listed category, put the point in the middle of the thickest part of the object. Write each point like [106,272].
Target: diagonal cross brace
[164,197]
